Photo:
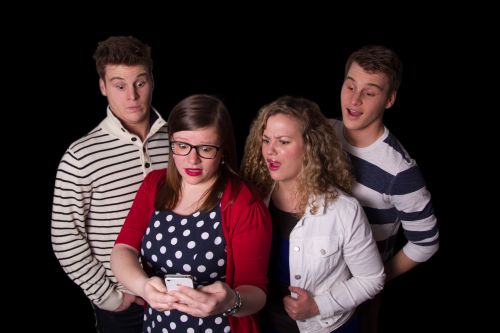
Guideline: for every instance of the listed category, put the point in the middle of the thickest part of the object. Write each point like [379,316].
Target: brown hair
[325,166]
[122,50]
[196,112]
[378,59]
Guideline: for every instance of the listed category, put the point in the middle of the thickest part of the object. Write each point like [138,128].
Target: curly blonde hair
[325,167]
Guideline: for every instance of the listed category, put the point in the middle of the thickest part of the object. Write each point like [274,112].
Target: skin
[129,91]
[283,148]
[364,98]
[198,174]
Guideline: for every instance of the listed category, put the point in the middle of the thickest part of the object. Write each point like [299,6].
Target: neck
[365,136]
[284,196]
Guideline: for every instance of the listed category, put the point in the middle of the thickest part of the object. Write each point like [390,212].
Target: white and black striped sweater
[95,186]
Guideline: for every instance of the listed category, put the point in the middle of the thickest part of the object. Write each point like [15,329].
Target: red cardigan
[246,225]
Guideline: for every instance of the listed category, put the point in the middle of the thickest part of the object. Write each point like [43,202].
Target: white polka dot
[164,270]
[142,251]
[159,237]
[157,212]
[191,244]
[153,324]
[178,254]
[167,313]
[184,318]
[201,268]
[213,275]
[169,217]
[163,249]
[217,240]
[196,214]
[164,330]
[173,241]
[149,329]
[227,329]
[145,317]
[218,320]
[158,318]
[220,262]
[156,224]
[169,263]
[148,244]
[186,233]
[212,215]
[190,330]
[204,235]
[209,255]
[208,330]
[171,229]
[184,221]
[200,322]
[150,311]
[200,224]
[147,231]
[186,267]
[216,224]
[194,257]
[154,258]
[173,326]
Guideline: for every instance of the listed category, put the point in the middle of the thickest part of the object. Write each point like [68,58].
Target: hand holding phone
[172,281]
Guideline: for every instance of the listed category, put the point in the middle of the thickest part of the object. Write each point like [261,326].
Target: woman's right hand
[156,295]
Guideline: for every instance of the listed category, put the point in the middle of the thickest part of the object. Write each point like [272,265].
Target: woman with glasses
[197,218]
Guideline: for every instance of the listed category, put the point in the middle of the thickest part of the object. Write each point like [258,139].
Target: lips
[193,172]
[273,165]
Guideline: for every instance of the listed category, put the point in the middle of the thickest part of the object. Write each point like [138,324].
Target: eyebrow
[136,78]
[369,84]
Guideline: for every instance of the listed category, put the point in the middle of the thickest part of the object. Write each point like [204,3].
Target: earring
[222,162]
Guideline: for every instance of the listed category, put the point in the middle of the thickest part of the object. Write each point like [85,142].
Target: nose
[193,156]
[132,93]
[356,98]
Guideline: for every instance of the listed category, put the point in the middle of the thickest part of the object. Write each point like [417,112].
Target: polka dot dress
[192,244]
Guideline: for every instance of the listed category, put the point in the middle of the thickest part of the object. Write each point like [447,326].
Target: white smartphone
[172,281]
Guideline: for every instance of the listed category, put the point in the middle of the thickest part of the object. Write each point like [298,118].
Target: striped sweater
[95,186]
[392,191]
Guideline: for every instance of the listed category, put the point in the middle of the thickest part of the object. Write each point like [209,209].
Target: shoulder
[155,176]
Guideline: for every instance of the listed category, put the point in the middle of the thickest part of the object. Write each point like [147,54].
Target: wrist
[236,307]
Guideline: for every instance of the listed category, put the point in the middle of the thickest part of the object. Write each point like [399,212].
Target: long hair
[325,167]
[192,113]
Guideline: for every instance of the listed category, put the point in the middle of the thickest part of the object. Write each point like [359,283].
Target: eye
[140,84]
[284,142]
[181,146]
[207,149]
[265,141]
[120,86]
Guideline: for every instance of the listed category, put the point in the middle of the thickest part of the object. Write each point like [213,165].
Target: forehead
[125,72]
[282,125]
[360,76]
[207,135]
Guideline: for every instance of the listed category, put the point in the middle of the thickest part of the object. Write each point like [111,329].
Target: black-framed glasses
[204,151]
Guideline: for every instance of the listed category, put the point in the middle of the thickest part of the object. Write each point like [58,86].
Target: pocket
[325,247]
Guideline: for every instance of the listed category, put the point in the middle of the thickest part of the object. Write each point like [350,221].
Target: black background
[248,62]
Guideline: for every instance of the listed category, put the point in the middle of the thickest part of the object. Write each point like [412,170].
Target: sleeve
[365,265]
[72,198]
[414,207]
[250,237]
[141,211]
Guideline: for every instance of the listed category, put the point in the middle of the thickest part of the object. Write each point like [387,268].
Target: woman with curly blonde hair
[324,262]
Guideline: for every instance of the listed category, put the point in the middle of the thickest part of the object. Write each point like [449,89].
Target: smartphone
[172,281]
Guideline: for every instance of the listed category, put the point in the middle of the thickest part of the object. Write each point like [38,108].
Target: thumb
[297,291]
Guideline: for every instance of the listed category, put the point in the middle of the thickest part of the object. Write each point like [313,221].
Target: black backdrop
[248,67]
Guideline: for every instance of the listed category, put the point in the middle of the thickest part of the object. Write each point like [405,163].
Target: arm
[250,238]
[413,203]
[72,198]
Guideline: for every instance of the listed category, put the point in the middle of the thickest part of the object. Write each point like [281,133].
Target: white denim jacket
[334,257]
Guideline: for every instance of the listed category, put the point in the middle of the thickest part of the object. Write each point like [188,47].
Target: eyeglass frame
[196,147]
